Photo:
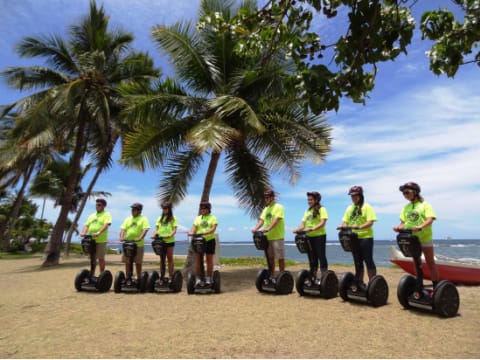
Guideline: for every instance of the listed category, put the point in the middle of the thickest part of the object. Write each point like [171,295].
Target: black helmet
[316,195]
[410,185]
[205,205]
[166,205]
[137,206]
[355,190]
[101,201]
[269,193]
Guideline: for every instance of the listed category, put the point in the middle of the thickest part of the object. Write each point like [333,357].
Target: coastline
[47,318]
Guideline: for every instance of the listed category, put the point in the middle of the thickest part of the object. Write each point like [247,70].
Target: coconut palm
[225,104]
[78,96]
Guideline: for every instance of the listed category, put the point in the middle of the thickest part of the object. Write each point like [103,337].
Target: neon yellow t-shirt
[414,215]
[311,221]
[352,217]
[134,226]
[95,222]
[165,228]
[204,223]
[270,213]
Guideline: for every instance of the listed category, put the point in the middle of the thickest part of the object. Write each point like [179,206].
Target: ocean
[335,253]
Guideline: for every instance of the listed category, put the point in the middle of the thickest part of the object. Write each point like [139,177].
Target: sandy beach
[43,316]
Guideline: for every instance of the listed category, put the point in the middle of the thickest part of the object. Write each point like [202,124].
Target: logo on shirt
[413,216]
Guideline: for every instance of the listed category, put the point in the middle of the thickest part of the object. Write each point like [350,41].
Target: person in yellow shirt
[97,226]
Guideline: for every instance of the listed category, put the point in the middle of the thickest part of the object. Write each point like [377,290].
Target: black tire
[377,293]
[142,286]
[446,300]
[344,285]
[329,284]
[405,289]
[177,281]
[104,281]
[284,283]
[119,280]
[80,278]
[302,275]
[152,279]
[216,282]
[261,276]
[190,283]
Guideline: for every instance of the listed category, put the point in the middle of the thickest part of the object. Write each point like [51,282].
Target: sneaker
[208,282]
[198,282]
[273,280]
[318,282]
[307,283]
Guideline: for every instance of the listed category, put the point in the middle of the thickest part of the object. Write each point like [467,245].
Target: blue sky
[415,126]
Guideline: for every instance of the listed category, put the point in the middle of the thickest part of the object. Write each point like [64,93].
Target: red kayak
[459,271]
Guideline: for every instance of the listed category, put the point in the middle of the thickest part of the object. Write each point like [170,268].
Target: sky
[415,126]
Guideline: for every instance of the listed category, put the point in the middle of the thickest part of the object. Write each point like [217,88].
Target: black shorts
[210,247]
[172,244]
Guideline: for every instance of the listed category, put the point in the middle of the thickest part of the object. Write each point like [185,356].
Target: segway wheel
[80,278]
[104,282]
[300,280]
[216,281]
[143,282]
[261,276]
[119,280]
[284,283]
[446,300]
[329,284]
[344,285]
[377,291]
[190,283]
[405,289]
[177,280]
[152,279]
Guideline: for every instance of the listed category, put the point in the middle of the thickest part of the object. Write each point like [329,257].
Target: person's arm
[102,229]
[318,226]
[299,228]
[122,235]
[84,231]
[365,225]
[272,225]
[211,230]
[399,227]
[427,222]
[154,233]
[193,230]
[258,226]
[142,235]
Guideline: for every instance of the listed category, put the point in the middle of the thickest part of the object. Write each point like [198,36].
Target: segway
[307,282]
[161,283]
[198,245]
[282,283]
[351,287]
[128,283]
[442,300]
[85,280]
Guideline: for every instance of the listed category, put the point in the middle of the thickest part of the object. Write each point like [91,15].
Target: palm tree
[78,97]
[226,104]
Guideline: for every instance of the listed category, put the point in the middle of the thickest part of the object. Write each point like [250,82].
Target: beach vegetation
[76,110]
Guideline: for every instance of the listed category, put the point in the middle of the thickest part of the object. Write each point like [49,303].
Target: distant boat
[460,271]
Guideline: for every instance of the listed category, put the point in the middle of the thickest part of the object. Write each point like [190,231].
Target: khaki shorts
[276,248]
[427,244]
[100,250]
[138,259]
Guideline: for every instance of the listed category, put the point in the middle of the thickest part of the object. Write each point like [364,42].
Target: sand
[43,316]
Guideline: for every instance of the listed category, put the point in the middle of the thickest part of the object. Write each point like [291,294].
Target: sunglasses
[406,192]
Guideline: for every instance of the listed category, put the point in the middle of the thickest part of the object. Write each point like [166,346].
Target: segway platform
[374,293]
[158,282]
[125,283]
[307,284]
[198,245]
[282,283]
[444,300]
[85,280]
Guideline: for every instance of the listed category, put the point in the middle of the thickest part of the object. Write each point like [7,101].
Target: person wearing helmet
[313,223]
[166,227]
[360,216]
[134,228]
[418,215]
[272,220]
[205,224]
[97,225]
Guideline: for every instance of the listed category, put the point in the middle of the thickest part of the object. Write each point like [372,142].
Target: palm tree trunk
[207,187]
[9,224]
[53,248]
